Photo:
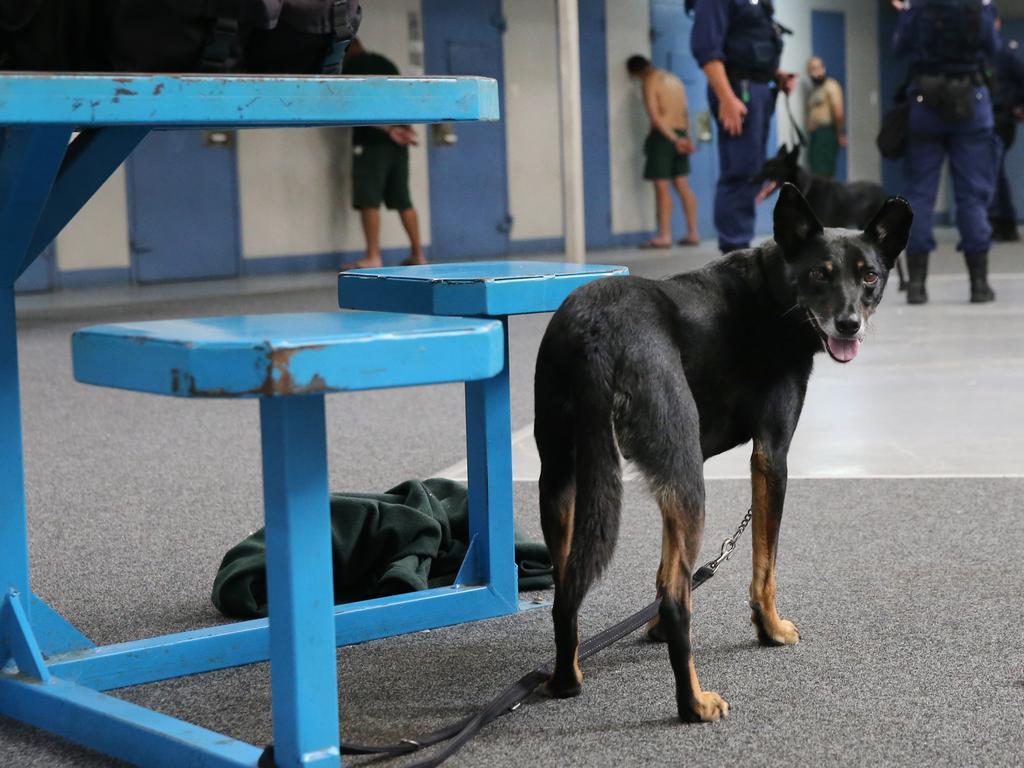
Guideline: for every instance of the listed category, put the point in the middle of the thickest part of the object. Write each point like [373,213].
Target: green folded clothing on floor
[413,537]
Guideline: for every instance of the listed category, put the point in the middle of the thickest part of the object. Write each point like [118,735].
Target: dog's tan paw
[779,632]
[772,630]
[708,707]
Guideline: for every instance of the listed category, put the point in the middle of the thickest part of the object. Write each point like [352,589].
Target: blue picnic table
[63,136]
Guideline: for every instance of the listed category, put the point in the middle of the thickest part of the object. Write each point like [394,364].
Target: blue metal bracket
[55,634]
[469,571]
[90,160]
[19,641]
[29,161]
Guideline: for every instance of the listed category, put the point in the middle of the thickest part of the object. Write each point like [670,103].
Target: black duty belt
[738,73]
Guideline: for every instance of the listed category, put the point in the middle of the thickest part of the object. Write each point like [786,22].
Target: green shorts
[663,162]
[380,174]
[823,150]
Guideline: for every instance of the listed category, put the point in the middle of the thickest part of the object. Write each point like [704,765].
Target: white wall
[862,75]
[97,237]
[295,185]
[531,115]
[628,30]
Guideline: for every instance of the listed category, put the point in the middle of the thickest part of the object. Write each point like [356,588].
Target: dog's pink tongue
[843,350]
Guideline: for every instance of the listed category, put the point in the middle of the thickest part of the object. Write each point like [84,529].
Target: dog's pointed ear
[781,154]
[890,229]
[795,222]
[794,153]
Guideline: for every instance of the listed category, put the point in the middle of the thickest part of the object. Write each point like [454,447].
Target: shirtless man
[667,147]
[825,119]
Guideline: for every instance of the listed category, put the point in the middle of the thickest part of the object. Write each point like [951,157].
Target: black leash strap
[457,734]
[801,137]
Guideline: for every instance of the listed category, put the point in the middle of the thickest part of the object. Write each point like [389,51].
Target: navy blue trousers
[739,158]
[973,150]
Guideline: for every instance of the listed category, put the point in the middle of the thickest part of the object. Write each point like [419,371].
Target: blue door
[39,276]
[469,216]
[828,40]
[670,49]
[183,206]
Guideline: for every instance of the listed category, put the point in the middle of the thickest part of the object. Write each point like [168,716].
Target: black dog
[835,203]
[671,372]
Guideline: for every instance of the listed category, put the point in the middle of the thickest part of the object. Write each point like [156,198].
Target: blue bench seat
[284,355]
[479,288]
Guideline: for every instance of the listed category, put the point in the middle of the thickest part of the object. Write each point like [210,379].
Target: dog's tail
[598,486]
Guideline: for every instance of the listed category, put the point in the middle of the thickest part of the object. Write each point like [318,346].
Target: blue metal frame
[178,101]
[50,674]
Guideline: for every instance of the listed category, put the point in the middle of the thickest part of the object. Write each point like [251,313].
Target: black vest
[753,42]
[952,37]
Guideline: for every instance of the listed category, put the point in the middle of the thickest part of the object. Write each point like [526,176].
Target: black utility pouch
[960,100]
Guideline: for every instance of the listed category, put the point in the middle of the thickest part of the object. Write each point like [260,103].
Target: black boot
[977,265]
[917,267]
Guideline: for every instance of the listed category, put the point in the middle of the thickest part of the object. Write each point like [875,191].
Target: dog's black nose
[848,325]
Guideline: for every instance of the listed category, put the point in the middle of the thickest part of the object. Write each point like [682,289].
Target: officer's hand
[786,81]
[730,114]
[899,5]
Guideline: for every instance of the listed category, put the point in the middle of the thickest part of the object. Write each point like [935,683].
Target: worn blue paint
[240,101]
[460,37]
[55,634]
[176,176]
[489,288]
[119,728]
[828,40]
[300,587]
[32,211]
[282,355]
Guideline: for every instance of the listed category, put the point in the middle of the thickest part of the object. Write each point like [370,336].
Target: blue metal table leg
[13,530]
[489,468]
[300,589]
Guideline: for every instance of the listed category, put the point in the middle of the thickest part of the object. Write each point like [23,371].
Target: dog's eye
[870,278]
[817,276]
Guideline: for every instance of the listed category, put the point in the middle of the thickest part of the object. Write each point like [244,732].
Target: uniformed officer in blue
[738,44]
[1008,105]
[948,42]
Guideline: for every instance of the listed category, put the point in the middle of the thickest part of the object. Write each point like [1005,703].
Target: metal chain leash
[729,544]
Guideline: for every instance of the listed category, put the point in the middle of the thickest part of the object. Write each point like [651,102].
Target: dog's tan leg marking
[677,538]
[559,540]
[654,630]
[764,532]
[568,511]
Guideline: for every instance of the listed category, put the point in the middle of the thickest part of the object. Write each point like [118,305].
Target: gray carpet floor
[908,593]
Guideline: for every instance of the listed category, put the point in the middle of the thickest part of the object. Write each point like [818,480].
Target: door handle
[443,135]
[505,225]
[219,138]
